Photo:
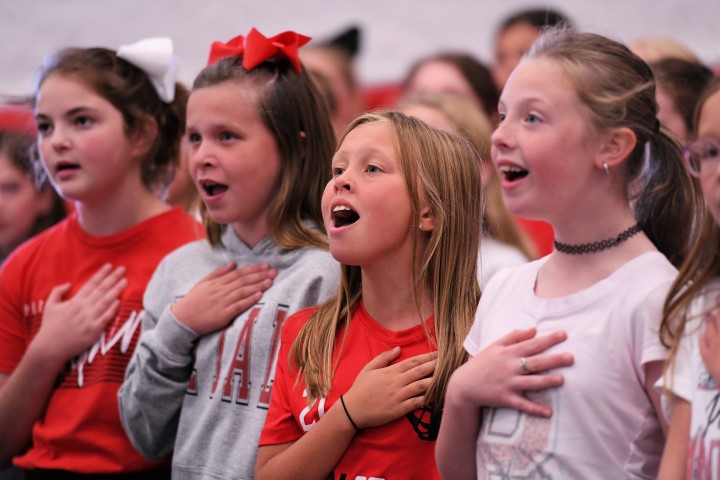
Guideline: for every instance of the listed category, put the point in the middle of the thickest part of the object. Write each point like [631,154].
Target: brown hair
[618,89]
[475,73]
[701,266]
[296,114]
[131,92]
[684,81]
[444,168]
[17,148]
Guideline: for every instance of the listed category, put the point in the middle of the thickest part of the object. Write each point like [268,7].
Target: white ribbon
[155,57]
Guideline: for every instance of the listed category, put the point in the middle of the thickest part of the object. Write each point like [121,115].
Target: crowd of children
[256,280]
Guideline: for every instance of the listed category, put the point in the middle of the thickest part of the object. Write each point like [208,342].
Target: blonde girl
[361,379]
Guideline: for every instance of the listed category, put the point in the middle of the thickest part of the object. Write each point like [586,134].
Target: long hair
[442,168]
[296,114]
[701,266]
[618,89]
[131,92]
[476,126]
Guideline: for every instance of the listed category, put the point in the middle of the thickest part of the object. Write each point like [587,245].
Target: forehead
[65,89]
[538,76]
[709,121]
[375,136]
[232,97]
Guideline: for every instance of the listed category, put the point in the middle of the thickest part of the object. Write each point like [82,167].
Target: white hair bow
[155,57]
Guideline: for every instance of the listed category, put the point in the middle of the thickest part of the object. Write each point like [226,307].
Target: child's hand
[71,326]
[495,377]
[382,392]
[223,295]
[710,346]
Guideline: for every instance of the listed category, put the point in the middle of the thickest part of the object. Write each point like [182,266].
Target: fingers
[220,271]
[544,362]
[58,293]
[539,344]
[383,360]
[516,336]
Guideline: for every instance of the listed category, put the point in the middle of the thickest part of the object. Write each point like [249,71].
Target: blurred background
[394,32]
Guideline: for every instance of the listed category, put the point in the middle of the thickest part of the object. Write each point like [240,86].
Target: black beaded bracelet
[342,401]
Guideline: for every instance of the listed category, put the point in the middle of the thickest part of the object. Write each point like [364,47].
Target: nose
[343,181]
[59,141]
[500,138]
[201,155]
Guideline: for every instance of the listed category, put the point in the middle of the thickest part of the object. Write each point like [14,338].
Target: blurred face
[510,45]
[709,134]
[443,77]
[669,115]
[432,116]
[541,149]
[83,144]
[366,207]
[233,158]
[20,204]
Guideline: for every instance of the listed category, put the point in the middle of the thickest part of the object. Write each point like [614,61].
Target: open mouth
[64,166]
[343,216]
[212,188]
[511,173]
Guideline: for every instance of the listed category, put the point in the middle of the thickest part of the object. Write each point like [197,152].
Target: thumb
[384,359]
[58,293]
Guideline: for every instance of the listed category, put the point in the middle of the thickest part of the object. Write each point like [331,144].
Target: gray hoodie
[204,399]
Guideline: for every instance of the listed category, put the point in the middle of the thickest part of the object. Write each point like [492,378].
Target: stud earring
[607,170]
[420,226]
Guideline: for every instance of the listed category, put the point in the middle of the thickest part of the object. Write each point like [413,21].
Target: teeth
[340,207]
[510,169]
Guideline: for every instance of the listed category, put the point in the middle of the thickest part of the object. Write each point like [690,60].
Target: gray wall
[395,31]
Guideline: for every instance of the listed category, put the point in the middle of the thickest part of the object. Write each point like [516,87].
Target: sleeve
[152,394]
[473,341]
[646,322]
[280,424]
[13,342]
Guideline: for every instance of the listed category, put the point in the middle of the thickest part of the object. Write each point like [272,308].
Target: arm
[68,328]
[494,378]
[675,453]
[710,346]
[152,394]
[314,455]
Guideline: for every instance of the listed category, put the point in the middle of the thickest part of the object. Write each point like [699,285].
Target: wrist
[347,414]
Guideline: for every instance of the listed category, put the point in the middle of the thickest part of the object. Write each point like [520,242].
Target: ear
[427,220]
[616,146]
[144,137]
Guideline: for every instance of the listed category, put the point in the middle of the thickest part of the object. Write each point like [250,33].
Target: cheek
[327,197]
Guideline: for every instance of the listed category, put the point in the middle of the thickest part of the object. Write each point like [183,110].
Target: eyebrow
[69,113]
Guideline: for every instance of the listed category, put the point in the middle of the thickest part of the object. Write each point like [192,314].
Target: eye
[44,128]
[83,121]
[501,117]
[10,188]
[337,171]
[532,118]
[227,136]
[373,169]
[193,137]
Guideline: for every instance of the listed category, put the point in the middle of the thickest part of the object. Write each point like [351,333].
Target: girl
[577,123]
[260,139]
[361,379]
[27,206]
[503,244]
[70,299]
[692,374]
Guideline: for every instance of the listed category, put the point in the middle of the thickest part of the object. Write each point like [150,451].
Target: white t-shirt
[691,381]
[603,423]
[495,255]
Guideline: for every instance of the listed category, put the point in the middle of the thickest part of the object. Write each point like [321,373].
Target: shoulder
[295,322]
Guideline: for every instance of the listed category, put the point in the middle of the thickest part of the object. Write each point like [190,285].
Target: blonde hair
[444,168]
[476,126]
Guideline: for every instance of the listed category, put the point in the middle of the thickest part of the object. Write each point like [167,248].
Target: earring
[420,226]
[607,170]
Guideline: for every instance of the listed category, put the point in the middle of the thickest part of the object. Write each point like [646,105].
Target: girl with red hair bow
[259,148]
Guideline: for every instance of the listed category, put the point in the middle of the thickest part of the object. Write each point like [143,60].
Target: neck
[389,298]
[115,214]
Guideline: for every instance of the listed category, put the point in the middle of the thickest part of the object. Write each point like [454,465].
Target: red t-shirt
[402,449]
[80,430]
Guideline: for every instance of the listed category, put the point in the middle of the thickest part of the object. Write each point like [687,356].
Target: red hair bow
[256,48]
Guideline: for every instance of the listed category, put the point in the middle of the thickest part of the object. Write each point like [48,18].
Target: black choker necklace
[597,246]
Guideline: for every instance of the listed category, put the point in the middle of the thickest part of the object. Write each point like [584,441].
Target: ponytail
[666,205]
